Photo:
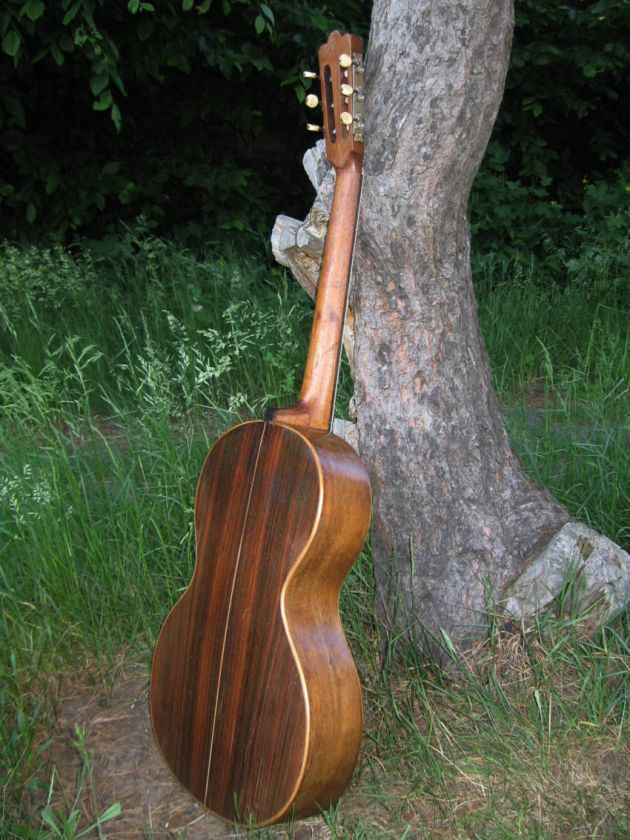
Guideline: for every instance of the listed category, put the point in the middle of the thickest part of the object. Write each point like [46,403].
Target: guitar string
[229,610]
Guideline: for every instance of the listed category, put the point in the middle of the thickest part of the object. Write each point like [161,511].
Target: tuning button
[345,60]
[312,127]
[346,117]
[309,74]
[311,101]
[347,90]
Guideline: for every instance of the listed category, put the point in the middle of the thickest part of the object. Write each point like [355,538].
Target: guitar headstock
[341,71]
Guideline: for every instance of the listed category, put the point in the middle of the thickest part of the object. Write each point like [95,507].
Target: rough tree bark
[457,523]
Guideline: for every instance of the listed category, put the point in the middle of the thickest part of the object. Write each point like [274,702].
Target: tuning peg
[309,74]
[311,101]
[346,117]
[313,127]
[347,90]
[345,60]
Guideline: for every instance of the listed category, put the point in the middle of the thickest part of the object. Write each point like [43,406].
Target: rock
[348,431]
[300,245]
[602,566]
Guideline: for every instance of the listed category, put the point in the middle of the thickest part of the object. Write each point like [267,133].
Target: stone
[299,246]
[602,566]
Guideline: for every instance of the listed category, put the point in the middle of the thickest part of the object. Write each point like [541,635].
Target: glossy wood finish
[255,699]
[343,141]
[316,402]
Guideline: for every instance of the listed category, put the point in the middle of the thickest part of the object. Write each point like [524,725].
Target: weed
[113,389]
[69,823]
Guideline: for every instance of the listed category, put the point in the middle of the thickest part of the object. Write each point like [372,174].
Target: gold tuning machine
[347,90]
[345,60]
[309,74]
[311,101]
[346,117]
[313,127]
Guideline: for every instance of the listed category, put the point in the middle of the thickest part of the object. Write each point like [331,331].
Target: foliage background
[189,113]
[127,124]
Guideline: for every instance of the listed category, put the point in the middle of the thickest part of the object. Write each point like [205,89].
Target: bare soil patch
[127,767]
[577,787]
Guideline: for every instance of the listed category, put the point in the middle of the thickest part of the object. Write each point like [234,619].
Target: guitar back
[255,699]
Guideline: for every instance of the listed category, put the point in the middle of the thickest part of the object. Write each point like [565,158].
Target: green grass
[118,368]
[561,365]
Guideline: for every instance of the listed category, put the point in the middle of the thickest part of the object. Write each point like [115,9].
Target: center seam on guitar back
[229,610]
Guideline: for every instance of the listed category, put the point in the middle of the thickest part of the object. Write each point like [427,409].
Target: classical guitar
[255,699]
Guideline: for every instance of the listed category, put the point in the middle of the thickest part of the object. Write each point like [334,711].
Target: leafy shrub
[173,111]
[601,262]
[188,114]
[590,249]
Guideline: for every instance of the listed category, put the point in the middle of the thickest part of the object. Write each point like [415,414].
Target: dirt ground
[127,767]
[581,791]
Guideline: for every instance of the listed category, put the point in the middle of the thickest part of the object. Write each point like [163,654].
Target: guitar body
[255,699]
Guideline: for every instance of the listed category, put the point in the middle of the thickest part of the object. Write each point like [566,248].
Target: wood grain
[316,401]
[255,699]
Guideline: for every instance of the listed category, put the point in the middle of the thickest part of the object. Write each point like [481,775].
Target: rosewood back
[255,700]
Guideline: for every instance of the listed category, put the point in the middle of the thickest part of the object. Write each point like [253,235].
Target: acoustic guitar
[255,698]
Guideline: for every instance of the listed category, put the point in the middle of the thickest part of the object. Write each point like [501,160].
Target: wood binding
[255,699]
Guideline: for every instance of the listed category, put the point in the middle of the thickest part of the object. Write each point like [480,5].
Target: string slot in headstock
[341,72]
[329,102]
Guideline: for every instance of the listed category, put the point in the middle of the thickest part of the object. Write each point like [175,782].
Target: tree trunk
[454,514]
[458,527]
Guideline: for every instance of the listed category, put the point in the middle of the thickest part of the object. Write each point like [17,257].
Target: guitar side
[255,699]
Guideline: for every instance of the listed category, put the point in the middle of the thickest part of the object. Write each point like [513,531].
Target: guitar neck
[341,72]
[316,402]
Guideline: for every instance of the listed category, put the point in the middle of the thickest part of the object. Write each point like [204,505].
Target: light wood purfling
[255,699]
[254,693]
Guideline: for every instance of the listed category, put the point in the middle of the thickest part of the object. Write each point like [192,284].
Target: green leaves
[264,20]
[98,83]
[135,6]
[187,95]
[116,116]
[530,104]
[564,114]
[104,101]
[33,9]
[11,43]
[72,12]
